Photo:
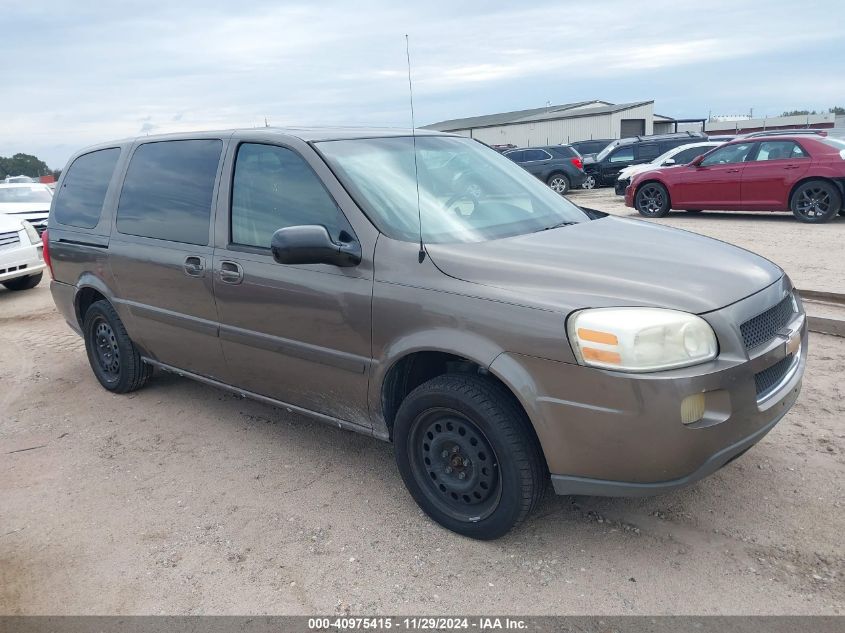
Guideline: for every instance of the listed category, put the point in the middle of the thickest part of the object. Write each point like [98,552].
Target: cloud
[94,74]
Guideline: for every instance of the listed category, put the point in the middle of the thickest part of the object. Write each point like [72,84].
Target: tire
[24,283]
[113,356]
[590,182]
[652,200]
[468,456]
[558,183]
[815,201]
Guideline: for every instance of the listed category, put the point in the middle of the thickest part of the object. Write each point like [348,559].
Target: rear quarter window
[168,189]
[79,201]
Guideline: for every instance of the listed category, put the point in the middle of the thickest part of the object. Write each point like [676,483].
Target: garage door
[632,127]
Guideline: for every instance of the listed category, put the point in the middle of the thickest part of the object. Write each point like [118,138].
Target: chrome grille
[9,239]
[763,327]
[767,379]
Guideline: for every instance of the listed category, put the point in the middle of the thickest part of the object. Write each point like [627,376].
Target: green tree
[837,110]
[23,165]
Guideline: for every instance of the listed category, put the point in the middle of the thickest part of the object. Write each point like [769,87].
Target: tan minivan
[427,291]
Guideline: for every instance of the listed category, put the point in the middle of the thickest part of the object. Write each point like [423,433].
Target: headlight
[31,233]
[640,339]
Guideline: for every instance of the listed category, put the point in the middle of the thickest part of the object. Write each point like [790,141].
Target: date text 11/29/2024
[416,623]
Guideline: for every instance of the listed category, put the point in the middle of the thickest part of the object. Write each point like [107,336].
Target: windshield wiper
[558,225]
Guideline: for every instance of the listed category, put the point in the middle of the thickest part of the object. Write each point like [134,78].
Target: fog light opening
[692,408]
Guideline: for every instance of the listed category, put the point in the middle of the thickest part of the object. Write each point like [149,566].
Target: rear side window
[80,200]
[535,154]
[779,150]
[516,155]
[167,192]
[273,188]
[564,152]
[648,151]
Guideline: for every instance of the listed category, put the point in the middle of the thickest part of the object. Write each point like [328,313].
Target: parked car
[21,264]
[26,201]
[18,179]
[493,340]
[559,166]
[680,155]
[800,173]
[591,147]
[603,169]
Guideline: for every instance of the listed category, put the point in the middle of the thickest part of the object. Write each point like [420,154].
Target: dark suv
[559,166]
[602,170]
[495,336]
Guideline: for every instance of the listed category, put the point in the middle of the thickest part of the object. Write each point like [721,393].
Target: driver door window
[624,155]
[273,188]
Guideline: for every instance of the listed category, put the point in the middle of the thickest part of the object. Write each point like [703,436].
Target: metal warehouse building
[564,123]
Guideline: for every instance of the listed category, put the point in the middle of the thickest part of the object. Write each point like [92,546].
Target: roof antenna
[414,139]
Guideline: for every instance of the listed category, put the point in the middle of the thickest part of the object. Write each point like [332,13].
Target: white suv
[680,155]
[21,261]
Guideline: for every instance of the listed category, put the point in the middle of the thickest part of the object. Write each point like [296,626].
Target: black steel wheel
[652,200]
[558,183]
[815,201]
[466,452]
[113,356]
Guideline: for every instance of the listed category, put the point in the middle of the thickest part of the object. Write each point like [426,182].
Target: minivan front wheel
[467,456]
[652,200]
[112,355]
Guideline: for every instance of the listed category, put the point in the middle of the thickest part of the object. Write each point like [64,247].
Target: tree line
[833,110]
[25,165]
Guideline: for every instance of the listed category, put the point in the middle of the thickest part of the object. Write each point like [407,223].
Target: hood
[24,207]
[631,170]
[9,223]
[610,262]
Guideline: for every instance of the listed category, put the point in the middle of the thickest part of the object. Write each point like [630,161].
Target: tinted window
[779,150]
[535,154]
[516,155]
[648,151]
[563,152]
[623,155]
[735,153]
[687,155]
[273,188]
[80,200]
[167,190]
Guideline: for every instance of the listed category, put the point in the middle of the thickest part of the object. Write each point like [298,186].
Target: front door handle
[194,266]
[231,273]
[731,171]
[792,167]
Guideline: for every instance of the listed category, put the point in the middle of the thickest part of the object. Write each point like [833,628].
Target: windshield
[467,192]
[25,194]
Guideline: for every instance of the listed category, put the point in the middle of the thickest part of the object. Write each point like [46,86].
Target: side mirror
[697,161]
[668,162]
[312,244]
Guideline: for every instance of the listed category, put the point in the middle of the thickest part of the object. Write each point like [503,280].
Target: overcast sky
[76,73]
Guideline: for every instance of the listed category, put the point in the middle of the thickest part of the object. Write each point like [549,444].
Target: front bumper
[621,185]
[21,261]
[617,434]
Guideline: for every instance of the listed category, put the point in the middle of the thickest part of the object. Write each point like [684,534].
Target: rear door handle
[792,167]
[231,273]
[731,171]
[194,266]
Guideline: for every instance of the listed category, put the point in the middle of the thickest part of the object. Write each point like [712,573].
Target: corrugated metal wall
[562,130]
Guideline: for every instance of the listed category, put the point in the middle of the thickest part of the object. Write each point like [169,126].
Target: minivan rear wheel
[113,356]
[652,200]
[467,455]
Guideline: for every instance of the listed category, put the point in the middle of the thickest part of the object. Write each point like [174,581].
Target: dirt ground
[812,255]
[183,499]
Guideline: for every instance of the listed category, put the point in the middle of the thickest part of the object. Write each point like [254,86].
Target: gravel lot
[183,499]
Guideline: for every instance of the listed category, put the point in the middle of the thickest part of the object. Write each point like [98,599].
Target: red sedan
[803,174]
